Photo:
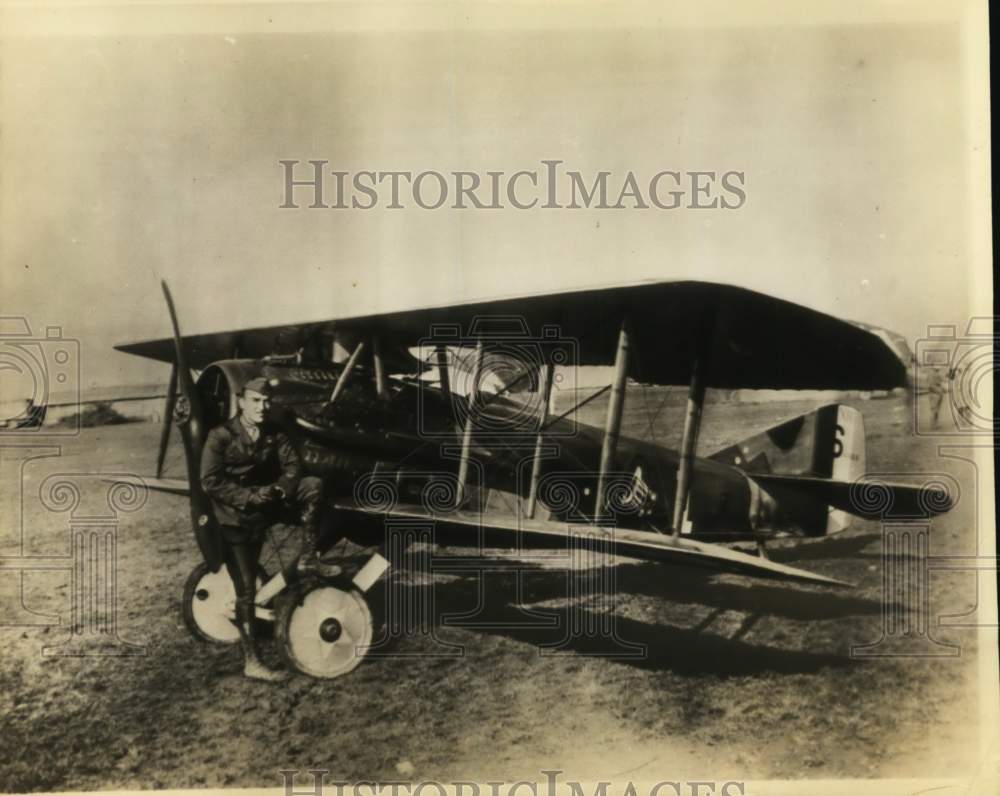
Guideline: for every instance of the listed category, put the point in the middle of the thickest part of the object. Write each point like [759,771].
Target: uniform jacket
[232,464]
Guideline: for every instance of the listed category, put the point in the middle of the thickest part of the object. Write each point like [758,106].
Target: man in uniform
[253,475]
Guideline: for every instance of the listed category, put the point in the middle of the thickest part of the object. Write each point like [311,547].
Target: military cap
[259,384]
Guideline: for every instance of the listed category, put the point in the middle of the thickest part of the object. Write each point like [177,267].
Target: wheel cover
[213,606]
[329,632]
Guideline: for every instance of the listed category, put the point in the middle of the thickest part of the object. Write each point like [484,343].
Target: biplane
[443,416]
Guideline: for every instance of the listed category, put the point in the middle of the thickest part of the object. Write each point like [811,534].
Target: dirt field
[741,678]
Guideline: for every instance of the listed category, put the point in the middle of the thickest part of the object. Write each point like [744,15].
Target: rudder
[846,457]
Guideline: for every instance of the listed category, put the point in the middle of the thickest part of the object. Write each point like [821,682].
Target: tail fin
[828,443]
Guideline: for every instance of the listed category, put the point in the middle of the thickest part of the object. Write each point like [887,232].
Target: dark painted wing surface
[747,339]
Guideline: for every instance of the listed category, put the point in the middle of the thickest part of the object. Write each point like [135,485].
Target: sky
[140,147]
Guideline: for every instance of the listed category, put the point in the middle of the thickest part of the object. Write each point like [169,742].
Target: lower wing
[490,529]
[495,530]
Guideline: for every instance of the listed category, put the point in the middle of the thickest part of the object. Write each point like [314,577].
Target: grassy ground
[739,678]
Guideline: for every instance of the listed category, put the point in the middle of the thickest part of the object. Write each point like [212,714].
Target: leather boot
[253,666]
[310,562]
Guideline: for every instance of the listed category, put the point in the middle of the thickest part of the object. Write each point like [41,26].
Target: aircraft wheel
[324,631]
[210,605]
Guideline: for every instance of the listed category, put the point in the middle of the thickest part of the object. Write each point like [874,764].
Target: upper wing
[746,339]
[204,349]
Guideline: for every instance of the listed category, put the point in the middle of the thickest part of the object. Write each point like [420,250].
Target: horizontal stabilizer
[871,499]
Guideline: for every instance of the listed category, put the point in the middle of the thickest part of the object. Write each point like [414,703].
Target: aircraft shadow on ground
[590,626]
[773,598]
[856,548]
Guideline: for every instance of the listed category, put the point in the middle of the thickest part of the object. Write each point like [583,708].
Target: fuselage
[413,432]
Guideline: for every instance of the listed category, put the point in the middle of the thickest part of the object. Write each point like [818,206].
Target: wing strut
[692,424]
[380,386]
[613,426]
[536,464]
[470,418]
[441,353]
[338,388]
